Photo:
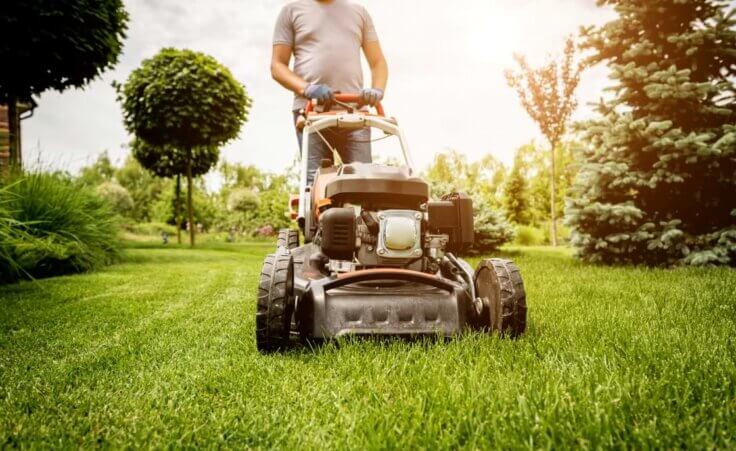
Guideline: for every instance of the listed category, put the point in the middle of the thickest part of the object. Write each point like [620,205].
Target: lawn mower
[379,256]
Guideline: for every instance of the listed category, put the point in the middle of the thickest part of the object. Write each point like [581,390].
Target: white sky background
[446,84]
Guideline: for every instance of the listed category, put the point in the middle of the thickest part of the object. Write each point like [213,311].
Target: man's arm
[281,72]
[377,63]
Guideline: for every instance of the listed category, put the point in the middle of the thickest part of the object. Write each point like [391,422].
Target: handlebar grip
[346,98]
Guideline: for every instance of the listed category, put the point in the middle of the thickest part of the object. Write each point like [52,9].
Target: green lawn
[159,351]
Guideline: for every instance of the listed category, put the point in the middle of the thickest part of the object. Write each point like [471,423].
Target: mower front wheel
[275,303]
[498,283]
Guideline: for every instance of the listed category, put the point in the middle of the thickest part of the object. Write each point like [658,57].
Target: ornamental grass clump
[51,226]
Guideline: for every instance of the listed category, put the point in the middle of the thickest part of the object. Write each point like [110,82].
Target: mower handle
[346,98]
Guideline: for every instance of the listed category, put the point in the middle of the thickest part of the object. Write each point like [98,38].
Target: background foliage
[182,105]
[50,225]
[54,45]
[263,208]
[451,172]
[183,99]
[57,45]
[658,182]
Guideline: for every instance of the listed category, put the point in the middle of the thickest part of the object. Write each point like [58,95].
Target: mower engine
[375,233]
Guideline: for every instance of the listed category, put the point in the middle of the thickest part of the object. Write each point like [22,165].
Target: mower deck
[376,302]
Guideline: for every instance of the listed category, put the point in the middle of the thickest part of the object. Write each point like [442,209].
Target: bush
[242,200]
[118,197]
[492,230]
[529,236]
[50,226]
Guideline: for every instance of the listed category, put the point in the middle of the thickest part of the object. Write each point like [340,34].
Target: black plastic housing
[377,187]
[338,233]
[453,217]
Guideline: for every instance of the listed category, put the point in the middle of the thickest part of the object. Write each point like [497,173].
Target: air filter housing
[338,233]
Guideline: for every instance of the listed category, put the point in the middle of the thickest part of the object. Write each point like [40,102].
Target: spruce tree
[515,195]
[658,185]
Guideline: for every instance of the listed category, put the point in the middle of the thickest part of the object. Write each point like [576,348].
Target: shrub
[492,230]
[118,197]
[242,200]
[51,226]
[529,236]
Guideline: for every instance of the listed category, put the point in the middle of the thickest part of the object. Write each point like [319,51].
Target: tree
[492,230]
[144,188]
[185,100]
[451,173]
[168,162]
[658,183]
[547,94]
[236,175]
[101,171]
[262,200]
[515,199]
[54,45]
[205,206]
[537,177]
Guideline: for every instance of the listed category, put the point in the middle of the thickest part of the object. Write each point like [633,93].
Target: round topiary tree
[185,100]
[168,162]
[54,45]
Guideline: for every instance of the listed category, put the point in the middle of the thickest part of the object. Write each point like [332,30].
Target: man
[326,37]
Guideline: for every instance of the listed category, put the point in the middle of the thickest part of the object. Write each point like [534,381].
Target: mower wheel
[275,303]
[288,238]
[498,283]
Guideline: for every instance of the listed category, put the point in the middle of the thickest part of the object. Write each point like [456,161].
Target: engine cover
[338,233]
[400,234]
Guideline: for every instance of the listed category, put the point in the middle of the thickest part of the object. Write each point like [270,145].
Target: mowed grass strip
[159,351]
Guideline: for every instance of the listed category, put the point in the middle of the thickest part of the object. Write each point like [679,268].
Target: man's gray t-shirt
[326,39]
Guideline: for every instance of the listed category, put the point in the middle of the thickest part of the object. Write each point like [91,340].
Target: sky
[446,85]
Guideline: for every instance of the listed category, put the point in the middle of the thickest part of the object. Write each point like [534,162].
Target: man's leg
[356,146]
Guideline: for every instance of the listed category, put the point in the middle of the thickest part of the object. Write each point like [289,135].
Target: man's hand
[322,94]
[371,96]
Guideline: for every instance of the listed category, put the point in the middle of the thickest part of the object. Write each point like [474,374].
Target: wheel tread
[512,295]
[288,239]
[274,304]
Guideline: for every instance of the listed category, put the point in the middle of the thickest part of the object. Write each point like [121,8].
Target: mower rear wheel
[275,303]
[499,284]
[288,238]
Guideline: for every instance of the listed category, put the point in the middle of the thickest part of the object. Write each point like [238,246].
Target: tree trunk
[15,161]
[177,208]
[553,197]
[189,198]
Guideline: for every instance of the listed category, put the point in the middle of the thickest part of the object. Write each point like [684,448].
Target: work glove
[371,96]
[322,94]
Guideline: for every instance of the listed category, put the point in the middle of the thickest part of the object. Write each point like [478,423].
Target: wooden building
[4,139]
[24,112]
